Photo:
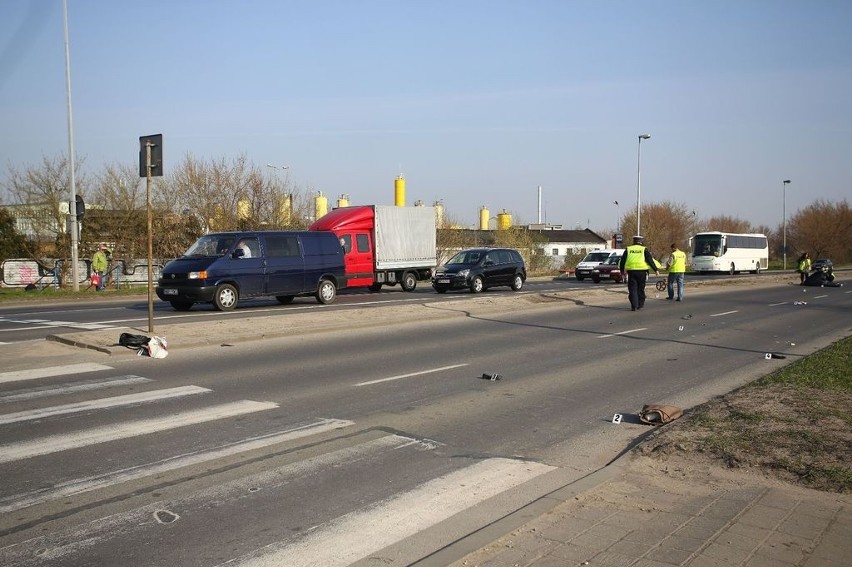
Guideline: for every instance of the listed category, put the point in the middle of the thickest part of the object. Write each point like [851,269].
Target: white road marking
[775,304]
[401,376]
[819,296]
[80,485]
[72,388]
[62,442]
[623,333]
[725,313]
[50,323]
[50,371]
[356,535]
[103,403]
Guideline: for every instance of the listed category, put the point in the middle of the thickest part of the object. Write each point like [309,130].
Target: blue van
[222,268]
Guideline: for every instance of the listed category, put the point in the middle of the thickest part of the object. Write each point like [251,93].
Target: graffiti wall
[23,272]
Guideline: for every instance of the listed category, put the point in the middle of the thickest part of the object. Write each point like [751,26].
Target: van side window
[282,246]
[363,242]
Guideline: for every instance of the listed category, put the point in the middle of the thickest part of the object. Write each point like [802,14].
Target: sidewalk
[643,513]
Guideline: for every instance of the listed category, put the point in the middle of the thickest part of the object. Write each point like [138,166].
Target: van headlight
[202,275]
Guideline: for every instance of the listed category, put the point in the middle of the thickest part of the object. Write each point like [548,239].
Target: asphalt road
[375,446]
[32,320]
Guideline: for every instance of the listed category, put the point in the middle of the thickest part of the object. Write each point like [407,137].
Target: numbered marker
[768,355]
[616,418]
[680,328]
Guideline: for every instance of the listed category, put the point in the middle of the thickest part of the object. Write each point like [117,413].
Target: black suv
[478,269]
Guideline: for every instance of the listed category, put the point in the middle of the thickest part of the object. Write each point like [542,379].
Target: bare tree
[824,229]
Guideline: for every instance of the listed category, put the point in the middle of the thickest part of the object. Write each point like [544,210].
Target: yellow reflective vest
[636,258]
[678,265]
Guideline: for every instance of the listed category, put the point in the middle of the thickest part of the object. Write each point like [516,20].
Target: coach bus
[729,252]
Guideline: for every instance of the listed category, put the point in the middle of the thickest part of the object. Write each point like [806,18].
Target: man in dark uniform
[636,261]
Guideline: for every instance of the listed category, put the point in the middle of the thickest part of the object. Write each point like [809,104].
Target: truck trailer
[383,244]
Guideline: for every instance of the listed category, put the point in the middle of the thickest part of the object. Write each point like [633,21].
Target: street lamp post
[784,244]
[639,183]
[618,217]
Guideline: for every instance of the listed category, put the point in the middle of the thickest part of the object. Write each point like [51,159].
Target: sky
[476,102]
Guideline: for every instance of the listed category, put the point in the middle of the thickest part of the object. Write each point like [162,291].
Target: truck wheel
[326,292]
[285,299]
[477,285]
[517,282]
[181,305]
[375,287]
[409,281]
[226,297]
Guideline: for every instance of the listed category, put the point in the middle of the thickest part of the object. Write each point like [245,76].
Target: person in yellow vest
[804,266]
[677,267]
[636,262]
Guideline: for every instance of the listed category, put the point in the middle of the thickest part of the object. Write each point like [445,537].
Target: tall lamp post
[784,244]
[639,182]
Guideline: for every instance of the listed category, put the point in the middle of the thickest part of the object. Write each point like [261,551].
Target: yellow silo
[504,220]
[320,205]
[399,191]
[483,218]
[439,213]
[243,210]
[343,201]
[285,210]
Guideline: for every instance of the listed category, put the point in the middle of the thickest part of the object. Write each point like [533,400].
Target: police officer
[636,261]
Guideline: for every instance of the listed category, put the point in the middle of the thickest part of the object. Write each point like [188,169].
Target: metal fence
[23,272]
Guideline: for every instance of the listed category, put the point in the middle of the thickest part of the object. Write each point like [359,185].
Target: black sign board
[156,143]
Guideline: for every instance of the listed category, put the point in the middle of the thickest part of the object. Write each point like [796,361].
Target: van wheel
[733,269]
[375,287]
[181,305]
[409,281]
[517,282]
[477,285]
[326,292]
[226,297]
[285,299]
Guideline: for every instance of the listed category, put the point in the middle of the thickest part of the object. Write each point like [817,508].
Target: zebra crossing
[236,485]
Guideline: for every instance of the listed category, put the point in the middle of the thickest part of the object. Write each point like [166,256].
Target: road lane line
[819,296]
[71,388]
[81,485]
[775,304]
[50,371]
[356,535]
[103,403]
[622,333]
[725,313]
[62,442]
[401,376]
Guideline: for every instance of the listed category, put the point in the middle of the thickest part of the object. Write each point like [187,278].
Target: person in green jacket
[677,268]
[636,262]
[100,264]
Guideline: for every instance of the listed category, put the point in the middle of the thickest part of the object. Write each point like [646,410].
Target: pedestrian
[677,267]
[636,262]
[804,266]
[99,265]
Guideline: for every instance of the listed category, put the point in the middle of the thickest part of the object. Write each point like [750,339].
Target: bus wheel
[733,269]
[757,269]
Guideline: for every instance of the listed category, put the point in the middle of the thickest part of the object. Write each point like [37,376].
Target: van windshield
[210,245]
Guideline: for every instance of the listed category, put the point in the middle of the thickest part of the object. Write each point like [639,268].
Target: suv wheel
[517,282]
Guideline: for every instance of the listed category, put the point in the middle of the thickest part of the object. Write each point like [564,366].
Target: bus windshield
[707,245]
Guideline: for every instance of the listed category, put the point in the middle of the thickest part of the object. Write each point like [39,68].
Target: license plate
[170,291]
[444,280]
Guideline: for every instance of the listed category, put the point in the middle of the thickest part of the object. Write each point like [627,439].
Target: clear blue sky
[476,102]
